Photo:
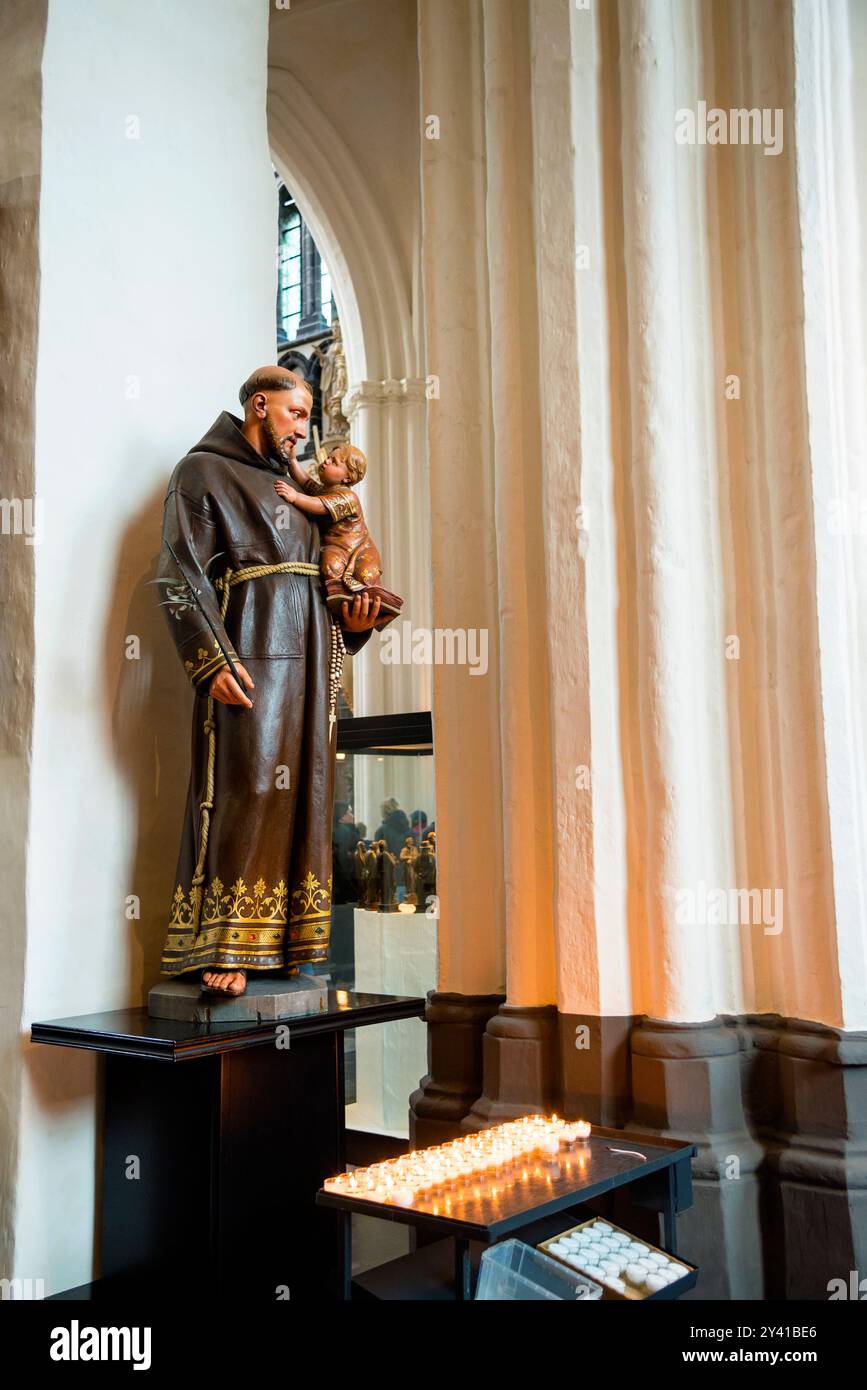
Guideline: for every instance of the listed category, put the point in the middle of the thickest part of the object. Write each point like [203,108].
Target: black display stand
[657,1171]
[210,1168]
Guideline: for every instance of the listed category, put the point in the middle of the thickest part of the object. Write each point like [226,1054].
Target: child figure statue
[349,561]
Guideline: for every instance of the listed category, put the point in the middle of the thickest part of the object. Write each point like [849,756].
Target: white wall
[157,264]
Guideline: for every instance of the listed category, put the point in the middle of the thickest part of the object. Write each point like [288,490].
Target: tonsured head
[277,406]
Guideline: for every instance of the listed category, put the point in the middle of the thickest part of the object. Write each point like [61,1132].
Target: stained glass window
[292,307]
[289,266]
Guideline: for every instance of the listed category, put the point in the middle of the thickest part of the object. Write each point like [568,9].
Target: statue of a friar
[240,584]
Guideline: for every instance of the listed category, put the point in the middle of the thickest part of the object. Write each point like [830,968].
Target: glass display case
[385,913]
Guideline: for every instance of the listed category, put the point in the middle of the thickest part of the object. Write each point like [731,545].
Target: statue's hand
[226,689]
[361,614]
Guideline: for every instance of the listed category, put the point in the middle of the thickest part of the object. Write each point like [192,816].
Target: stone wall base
[776,1107]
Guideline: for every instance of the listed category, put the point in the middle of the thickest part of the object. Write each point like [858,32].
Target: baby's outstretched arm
[303,479]
[300,499]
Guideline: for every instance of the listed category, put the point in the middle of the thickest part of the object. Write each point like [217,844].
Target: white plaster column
[669,732]
[462,463]
[524,689]
[777,765]
[578,506]
[387,420]
[828,148]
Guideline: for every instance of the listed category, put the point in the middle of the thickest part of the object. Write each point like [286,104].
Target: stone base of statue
[263,1001]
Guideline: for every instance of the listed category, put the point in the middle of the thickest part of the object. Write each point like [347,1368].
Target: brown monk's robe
[266,890]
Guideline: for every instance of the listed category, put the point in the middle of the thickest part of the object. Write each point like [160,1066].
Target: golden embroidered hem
[253,884]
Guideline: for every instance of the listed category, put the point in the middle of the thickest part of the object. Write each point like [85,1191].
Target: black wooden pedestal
[211,1168]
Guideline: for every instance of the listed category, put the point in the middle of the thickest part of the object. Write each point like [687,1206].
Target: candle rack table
[216,1138]
[534,1208]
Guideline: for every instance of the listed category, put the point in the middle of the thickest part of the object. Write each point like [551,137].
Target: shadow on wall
[149,703]
[146,700]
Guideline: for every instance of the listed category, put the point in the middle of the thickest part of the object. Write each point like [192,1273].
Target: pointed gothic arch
[348,227]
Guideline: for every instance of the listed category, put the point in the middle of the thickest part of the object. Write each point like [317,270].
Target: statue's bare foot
[232,982]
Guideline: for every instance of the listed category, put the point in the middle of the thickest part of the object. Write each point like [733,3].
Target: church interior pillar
[520,1045]
[820,1160]
[676,701]
[683,470]
[582,503]
[388,422]
[464,560]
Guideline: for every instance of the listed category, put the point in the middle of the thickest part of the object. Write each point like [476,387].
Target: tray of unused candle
[625,1267]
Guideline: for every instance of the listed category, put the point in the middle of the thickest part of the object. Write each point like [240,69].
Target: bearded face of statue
[281,447]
